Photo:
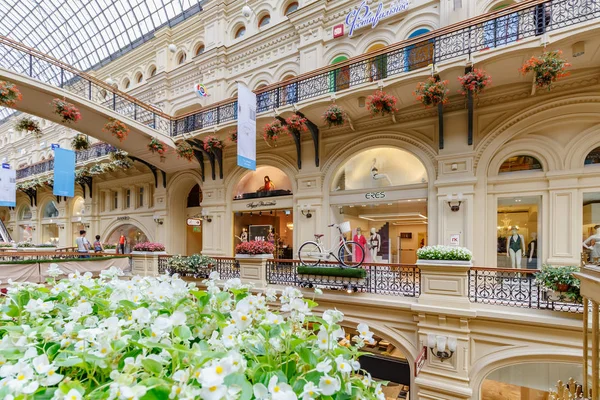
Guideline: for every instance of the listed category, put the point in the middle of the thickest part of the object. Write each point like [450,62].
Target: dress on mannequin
[360,239]
[374,245]
[595,248]
[532,249]
[515,246]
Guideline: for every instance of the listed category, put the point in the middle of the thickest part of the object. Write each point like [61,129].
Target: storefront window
[50,234]
[25,233]
[590,235]
[593,157]
[79,207]
[25,213]
[275,226]
[50,210]
[264,182]
[133,234]
[518,244]
[520,163]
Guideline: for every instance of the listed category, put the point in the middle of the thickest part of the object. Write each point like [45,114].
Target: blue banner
[64,172]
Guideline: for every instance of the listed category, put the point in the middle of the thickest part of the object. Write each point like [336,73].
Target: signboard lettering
[455,239]
[375,195]
[338,31]
[420,360]
[123,218]
[256,204]
[364,15]
[55,146]
[194,222]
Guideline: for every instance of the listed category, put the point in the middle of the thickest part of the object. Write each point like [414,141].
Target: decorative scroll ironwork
[513,288]
[384,279]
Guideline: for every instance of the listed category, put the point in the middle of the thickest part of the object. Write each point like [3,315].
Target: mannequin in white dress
[374,245]
[515,244]
[376,175]
[595,249]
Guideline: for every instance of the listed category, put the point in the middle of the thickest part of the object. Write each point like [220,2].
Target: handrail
[287,260]
[515,270]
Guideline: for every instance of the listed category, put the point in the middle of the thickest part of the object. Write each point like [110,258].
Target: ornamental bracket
[199,145]
[314,131]
[154,172]
[296,138]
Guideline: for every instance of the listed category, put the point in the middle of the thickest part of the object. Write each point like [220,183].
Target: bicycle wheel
[351,254]
[310,254]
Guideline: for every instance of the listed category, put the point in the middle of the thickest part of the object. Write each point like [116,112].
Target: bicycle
[350,254]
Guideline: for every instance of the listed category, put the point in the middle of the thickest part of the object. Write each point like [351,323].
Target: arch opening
[520,163]
[185,201]
[133,234]
[593,157]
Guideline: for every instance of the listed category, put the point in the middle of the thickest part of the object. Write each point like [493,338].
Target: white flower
[178,318]
[133,392]
[271,294]
[275,391]
[214,276]
[73,394]
[343,365]
[324,366]
[215,373]
[333,316]
[310,391]
[329,385]
[318,291]
[323,339]
[213,392]
[274,319]
[365,334]
[141,315]
[54,271]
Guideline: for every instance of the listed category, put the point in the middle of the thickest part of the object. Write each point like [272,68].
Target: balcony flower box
[254,256]
[325,275]
[149,248]
[255,249]
[444,255]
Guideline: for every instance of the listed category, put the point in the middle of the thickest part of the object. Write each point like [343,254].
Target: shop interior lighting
[413,216]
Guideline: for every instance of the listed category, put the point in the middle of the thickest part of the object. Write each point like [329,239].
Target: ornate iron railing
[97,150]
[385,279]
[227,267]
[520,21]
[35,64]
[514,288]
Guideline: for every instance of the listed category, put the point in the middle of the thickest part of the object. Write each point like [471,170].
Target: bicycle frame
[326,253]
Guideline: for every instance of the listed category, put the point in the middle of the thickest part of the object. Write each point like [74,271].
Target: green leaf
[67,361]
[308,356]
[13,311]
[52,350]
[157,393]
[182,332]
[152,366]
[128,304]
[133,354]
[118,345]
[240,381]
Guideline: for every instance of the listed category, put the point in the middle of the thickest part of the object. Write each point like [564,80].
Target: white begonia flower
[214,276]
[333,316]
[310,391]
[260,391]
[133,392]
[215,373]
[379,392]
[329,385]
[141,315]
[271,294]
[213,392]
[274,319]
[234,283]
[365,333]
[178,318]
[355,365]
[54,271]
[324,366]
[280,390]
[318,291]
[343,365]
[242,319]
[229,336]
[323,339]
[73,394]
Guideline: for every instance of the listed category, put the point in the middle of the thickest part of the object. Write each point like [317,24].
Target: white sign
[455,239]
[8,187]
[364,15]
[194,222]
[246,119]
[420,360]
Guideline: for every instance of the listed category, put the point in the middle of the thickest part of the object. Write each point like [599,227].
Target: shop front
[133,235]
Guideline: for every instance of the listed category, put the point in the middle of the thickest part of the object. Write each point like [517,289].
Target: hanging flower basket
[233,136]
[212,143]
[295,125]
[474,81]
[548,68]
[335,116]
[27,124]
[184,150]
[80,142]
[9,94]
[432,92]
[67,111]
[116,128]
[381,103]
[118,155]
[272,131]
[156,146]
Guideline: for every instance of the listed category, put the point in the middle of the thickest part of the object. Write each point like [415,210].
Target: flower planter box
[148,253]
[445,262]
[110,251]
[40,249]
[254,256]
[332,280]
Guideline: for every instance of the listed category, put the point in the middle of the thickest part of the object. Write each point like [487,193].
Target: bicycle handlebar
[332,225]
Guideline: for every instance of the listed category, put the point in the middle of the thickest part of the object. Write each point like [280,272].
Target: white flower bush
[162,338]
[440,252]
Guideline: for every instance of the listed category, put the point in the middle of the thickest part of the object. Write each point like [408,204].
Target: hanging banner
[64,172]
[8,187]
[246,145]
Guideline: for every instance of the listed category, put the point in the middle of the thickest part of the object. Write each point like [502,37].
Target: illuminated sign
[194,222]
[338,31]
[256,204]
[200,90]
[365,15]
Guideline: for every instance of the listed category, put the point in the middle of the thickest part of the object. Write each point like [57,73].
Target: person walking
[98,248]
[83,245]
[122,243]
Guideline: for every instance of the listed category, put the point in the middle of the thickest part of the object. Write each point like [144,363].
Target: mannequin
[376,175]
[271,236]
[532,249]
[243,236]
[374,244]
[595,247]
[360,239]
[268,185]
[515,244]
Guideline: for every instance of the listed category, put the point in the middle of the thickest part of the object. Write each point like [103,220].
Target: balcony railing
[514,288]
[97,150]
[514,23]
[384,279]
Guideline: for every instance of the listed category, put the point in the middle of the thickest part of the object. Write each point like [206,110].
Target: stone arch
[343,49]
[579,148]
[178,189]
[536,148]
[149,71]
[262,77]
[114,225]
[285,69]
[425,20]
[487,6]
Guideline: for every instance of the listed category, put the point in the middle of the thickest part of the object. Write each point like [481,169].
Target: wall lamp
[206,217]
[305,210]
[454,202]
[442,347]
[159,220]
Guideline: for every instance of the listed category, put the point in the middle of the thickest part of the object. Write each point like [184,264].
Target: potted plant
[185,151]
[116,128]
[149,248]
[439,254]
[196,265]
[28,124]
[474,82]
[432,92]
[272,132]
[156,146]
[80,142]
[559,282]
[212,143]
[233,136]
[254,249]
[67,111]
[335,116]
[9,94]
[547,69]
[295,125]
[381,103]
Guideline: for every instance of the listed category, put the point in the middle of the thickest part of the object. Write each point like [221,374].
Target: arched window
[199,49]
[181,58]
[241,31]
[264,21]
[593,157]
[50,210]
[377,66]
[501,30]
[266,181]
[152,71]
[418,55]
[139,77]
[194,197]
[339,79]
[78,206]
[520,163]
[293,6]
[25,213]
[126,84]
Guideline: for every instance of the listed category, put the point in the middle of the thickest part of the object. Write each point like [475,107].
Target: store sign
[375,195]
[8,187]
[256,204]
[365,15]
[420,361]
[55,146]
[5,166]
[124,218]
[338,31]
[455,240]
[194,222]
[200,90]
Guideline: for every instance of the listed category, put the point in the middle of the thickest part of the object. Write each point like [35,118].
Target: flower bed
[109,246]
[9,94]
[194,265]
[548,68]
[6,245]
[149,247]
[25,245]
[444,253]
[27,124]
[255,247]
[116,128]
[158,338]
[333,271]
[561,280]
[67,111]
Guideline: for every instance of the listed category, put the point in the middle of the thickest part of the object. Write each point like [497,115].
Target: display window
[132,233]
[518,241]
[590,235]
[50,234]
[520,163]
[266,181]
[274,226]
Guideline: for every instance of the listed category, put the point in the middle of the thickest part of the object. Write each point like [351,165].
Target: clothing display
[593,244]
[515,244]
[374,245]
[532,254]
[358,253]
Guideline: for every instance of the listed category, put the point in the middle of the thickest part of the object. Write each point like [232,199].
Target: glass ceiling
[85,34]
